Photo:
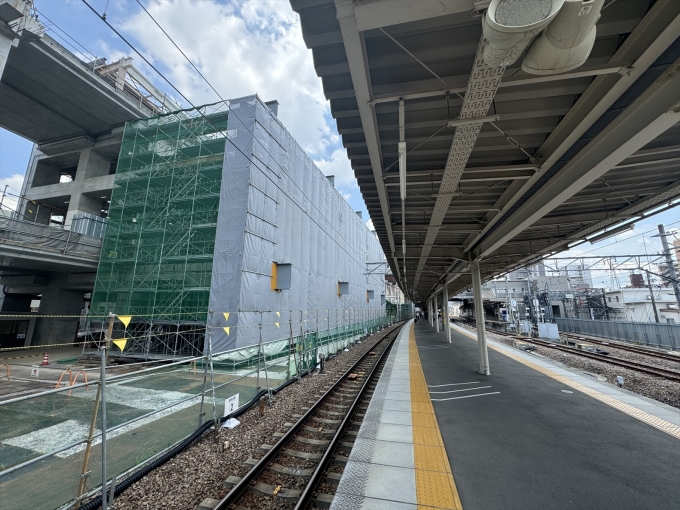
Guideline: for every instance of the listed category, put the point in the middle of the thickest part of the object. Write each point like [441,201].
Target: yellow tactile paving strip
[654,421]
[435,487]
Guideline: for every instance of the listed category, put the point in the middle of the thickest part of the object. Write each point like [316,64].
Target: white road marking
[466,396]
[465,389]
[433,347]
[57,436]
[452,384]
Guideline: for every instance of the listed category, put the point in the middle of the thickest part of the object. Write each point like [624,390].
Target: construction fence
[666,336]
[44,437]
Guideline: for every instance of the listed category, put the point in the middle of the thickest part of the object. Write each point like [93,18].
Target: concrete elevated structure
[74,112]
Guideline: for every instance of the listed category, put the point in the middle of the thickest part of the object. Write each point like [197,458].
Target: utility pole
[4,192]
[651,294]
[669,262]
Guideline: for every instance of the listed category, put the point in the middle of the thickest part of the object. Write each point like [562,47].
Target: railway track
[631,348]
[672,375]
[313,451]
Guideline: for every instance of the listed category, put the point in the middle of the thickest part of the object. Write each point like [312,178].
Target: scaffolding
[157,253]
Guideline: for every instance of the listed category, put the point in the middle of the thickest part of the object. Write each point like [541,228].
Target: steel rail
[631,348]
[308,493]
[244,484]
[671,375]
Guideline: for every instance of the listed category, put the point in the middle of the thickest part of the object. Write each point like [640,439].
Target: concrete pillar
[479,317]
[432,311]
[436,311]
[429,311]
[90,164]
[447,325]
[58,299]
[5,45]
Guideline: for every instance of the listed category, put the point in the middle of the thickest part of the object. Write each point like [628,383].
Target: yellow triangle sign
[120,342]
[125,319]
[226,329]
[226,315]
[277,324]
[278,314]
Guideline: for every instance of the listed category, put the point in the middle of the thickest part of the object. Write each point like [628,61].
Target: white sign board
[231,405]
[548,331]
[525,327]
[35,371]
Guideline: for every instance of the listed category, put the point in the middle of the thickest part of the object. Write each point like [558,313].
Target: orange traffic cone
[45,360]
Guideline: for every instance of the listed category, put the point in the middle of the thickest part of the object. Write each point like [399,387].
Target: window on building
[281,276]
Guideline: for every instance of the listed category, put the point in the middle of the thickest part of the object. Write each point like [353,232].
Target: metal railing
[28,234]
[149,411]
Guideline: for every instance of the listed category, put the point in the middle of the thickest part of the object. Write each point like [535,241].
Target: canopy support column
[479,317]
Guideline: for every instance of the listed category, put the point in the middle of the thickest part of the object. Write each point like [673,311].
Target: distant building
[636,281]
[635,304]
[393,293]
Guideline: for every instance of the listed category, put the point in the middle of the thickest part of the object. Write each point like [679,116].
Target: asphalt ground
[530,442]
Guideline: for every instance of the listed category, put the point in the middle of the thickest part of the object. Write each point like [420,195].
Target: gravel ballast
[657,388]
[198,472]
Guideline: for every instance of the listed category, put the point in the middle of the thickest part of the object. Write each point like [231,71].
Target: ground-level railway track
[307,456]
[618,345]
[672,375]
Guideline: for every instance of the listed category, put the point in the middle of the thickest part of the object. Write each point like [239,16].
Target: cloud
[14,182]
[338,164]
[246,47]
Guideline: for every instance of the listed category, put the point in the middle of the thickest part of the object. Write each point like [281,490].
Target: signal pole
[669,262]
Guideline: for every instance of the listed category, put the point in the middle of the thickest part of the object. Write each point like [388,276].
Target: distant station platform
[533,434]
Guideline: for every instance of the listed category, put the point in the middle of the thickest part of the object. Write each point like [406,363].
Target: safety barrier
[148,412]
[659,335]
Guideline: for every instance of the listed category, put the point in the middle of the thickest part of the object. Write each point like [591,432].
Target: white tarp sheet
[277,206]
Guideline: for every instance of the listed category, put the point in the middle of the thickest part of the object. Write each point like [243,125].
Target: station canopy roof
[503,166]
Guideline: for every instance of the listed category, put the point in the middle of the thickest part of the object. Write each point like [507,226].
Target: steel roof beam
[355,51]
[481,90]
[384,13]
[653,35]
[664,196]
[512,81]
[653,112]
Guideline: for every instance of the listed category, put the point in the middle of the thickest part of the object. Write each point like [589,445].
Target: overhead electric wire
[103,18]
[94,57]
[180,50]
[231,112]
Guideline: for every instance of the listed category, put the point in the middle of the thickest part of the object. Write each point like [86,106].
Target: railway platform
[532,435]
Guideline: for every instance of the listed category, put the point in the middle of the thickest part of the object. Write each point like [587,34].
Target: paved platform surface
[536,434]
[532,435]
[398,460]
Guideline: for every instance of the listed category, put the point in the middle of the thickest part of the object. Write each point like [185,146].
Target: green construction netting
[157,252]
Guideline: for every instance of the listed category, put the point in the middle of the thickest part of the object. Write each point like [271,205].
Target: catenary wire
[175,88]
